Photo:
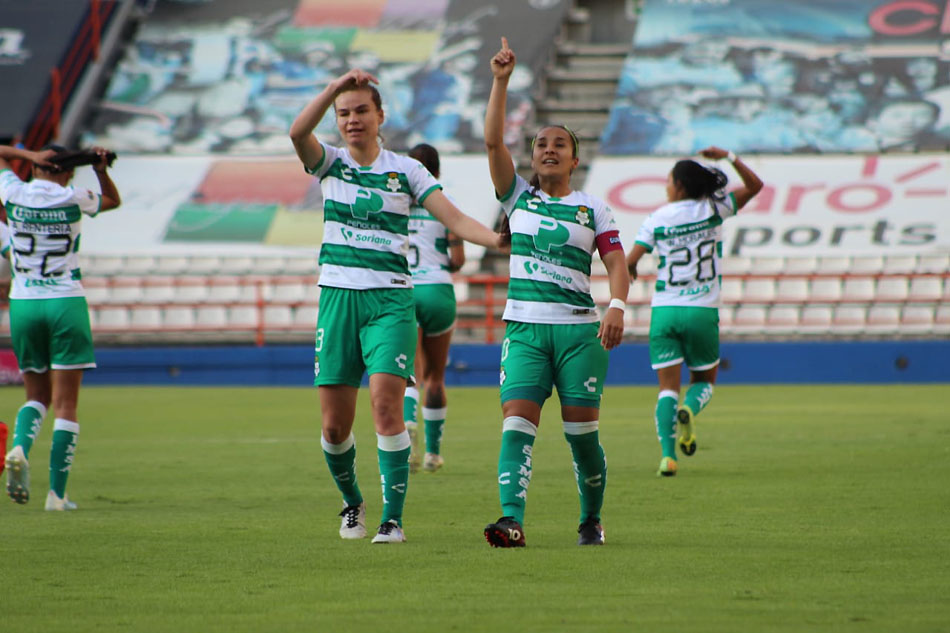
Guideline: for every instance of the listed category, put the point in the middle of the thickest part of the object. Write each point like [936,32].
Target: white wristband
[731,156]
[617,303]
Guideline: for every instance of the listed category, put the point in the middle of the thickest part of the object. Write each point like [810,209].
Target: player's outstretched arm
[500,165]
[305,143]
[633,259]
[752,184]
[8,153]
[466,227]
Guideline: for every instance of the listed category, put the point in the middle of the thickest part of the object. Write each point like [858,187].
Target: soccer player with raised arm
[366,321]
[686,235]
[49,318]
[554,336]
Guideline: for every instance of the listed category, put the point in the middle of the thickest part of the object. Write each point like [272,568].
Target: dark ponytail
[428,156]
[699,181]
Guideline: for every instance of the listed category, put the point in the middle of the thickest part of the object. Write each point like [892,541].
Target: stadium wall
[868,362]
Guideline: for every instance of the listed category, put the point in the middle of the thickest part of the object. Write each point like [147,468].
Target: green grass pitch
[806,508]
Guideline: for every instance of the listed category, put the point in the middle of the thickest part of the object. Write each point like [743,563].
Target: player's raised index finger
[504,43]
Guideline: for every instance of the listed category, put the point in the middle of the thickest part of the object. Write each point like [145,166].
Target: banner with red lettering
[811,205]
[773,77]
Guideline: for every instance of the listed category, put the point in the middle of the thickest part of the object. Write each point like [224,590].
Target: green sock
[590,466]
[666,422]
[393,452]
[29,420]
[410,405]
[514,465]
[435,422]
[341,459]
[61,455]
[698,396]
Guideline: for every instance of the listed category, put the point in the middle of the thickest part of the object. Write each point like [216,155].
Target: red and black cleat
[505,532]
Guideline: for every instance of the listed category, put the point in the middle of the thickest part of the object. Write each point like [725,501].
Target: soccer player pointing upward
[554,336]
[367,320]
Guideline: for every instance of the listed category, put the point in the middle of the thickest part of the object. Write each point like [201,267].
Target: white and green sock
[29,421]
[62,454]
[410,405]
[698,396]
[393,452]
[666,421]
[590,466]
[435,423]
[341,459]
[514,465]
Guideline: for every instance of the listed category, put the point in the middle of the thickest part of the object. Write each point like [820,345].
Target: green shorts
[51,334]
[363,330]
[537,356]
[684,334]
[435,308]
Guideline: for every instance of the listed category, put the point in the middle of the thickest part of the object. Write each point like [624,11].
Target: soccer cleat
[55,504]
[353,525]
[18,475]
[687,439]
[389,532]
[590,532]
[432,462]
[505,532]
[415,453]
[667,467]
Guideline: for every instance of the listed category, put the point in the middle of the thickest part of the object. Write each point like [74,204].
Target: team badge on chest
[583,216]
[393,183]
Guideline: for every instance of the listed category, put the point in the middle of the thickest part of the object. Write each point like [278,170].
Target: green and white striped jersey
[366,218]
[687,237]
[44,220]
[428,248]
[552,245]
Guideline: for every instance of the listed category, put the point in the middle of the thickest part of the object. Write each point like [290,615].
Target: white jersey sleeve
[9,183]
[646,236]
[88,201]
[508,201]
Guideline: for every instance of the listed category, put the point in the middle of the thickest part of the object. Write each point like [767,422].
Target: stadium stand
[202,83]
[54,64]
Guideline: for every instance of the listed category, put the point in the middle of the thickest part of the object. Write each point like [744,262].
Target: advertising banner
[226,205]
[810,206]
[805,76]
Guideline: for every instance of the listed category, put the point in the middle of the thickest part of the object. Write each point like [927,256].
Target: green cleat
[667,467]
[687,439]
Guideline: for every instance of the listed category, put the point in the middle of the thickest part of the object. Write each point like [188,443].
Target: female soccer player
[684,326]
[552,337]
[366,321]
[49,318]
[434,253]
